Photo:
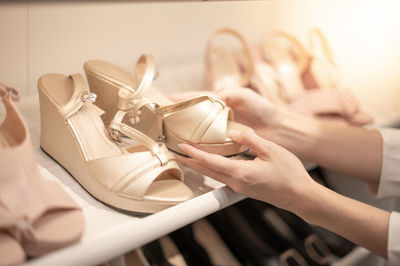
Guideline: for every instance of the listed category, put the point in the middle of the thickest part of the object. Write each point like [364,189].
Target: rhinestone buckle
[88,97]
[115,135]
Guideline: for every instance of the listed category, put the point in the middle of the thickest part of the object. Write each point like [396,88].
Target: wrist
[297,133]
[307,203]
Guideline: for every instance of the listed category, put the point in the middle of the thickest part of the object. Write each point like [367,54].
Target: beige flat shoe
[40,214]
[140,177]
[202,121]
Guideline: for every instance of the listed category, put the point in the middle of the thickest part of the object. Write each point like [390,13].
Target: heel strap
[117,128]
[316,36]
[145,73]
[80,95]
[302,54]
[9,93]
[249,70]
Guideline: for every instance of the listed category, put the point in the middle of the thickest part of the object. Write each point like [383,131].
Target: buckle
[88,97]
[115,135]
[161,138]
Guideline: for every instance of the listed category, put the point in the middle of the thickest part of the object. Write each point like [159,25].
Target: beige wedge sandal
[203,121]
[140,177]
[35,213]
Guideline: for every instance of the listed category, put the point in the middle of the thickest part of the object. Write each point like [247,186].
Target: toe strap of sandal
[204,118]
[145,73]
[135,172]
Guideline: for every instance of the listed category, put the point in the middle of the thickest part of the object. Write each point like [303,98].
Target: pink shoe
[35,213]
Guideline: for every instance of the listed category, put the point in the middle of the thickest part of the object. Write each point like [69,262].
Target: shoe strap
[7,92]
[80,96]
[118,128]
[302,59]
[249,69]
[162,112]
[316,36]
[323,54]
[145,73]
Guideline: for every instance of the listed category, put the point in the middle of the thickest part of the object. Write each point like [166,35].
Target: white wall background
[58,36]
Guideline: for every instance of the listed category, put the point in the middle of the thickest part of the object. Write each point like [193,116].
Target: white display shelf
[109,233]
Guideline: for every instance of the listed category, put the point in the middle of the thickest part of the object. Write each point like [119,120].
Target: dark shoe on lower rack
[243,241]
[191,250]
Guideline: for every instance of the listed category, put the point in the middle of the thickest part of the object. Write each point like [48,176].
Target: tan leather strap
[9,92]
[145,73]
[118,128]
[249,69]
[316,36]
[80,95]
[302,59]
[321,51]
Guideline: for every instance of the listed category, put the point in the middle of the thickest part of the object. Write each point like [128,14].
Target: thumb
[259,145]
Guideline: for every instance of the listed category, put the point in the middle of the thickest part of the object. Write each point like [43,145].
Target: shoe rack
[44,36]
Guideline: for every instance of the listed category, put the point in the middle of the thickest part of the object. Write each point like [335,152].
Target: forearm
[350,150]
[363,224]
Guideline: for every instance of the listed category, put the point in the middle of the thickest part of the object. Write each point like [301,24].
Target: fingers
[190,94]
[203,169]
[213,161]
[250,139]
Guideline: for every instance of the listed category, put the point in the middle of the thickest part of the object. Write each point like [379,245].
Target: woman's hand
[275,175]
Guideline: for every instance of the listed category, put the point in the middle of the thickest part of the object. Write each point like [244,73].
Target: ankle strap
[145,73]
[80,95]
[9,93]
